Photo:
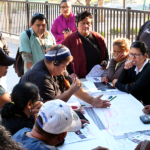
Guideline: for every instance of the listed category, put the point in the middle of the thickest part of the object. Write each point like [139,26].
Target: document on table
[86,133]
[123,115]
[96,71]
[94,79]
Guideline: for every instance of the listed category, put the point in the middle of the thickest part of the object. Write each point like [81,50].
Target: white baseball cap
[58,117]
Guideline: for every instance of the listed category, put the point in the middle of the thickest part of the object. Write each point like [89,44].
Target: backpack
[19,63]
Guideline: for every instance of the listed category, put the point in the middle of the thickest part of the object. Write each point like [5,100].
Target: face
[3,70]
[66,9]
[59,69]
[39,27]
[118,50]
[84,26]
[139,58]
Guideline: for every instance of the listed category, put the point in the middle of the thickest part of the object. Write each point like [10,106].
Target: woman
[5,61]
[47,75]
[134,78]
[64,25]
[26,102]
[88,48]
[121,48]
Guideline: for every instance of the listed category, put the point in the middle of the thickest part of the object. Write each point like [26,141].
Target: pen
[109,97]
[74,71]
[84,126]
[113,98]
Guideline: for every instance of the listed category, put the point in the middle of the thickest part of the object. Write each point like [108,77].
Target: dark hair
[39,17]
[49,135]
[6,143]
[63,1]
[22,93]
[81,16]
[141,45]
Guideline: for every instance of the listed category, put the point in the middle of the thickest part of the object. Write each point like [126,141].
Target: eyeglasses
[63,7]
[41,100]
[39,14]
[83,24]
[134,55]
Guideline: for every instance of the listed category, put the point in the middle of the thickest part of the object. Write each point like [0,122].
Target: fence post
[95,19]
[9,17]
[128,22]
[27,9]
[46,6]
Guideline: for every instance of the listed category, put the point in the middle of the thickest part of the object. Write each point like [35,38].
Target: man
[5,61]
[54,119]
[35,41]
[3,44]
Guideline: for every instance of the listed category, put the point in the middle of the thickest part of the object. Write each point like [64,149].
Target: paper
[123,115]
[81,135]
[96,71]
[94,79]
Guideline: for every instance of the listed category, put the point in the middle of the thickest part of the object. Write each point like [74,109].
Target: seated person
[87,47]
[121,47]
[6,142]
[25,103]
[50,127]
[5,61]
[134,78]
[46,75]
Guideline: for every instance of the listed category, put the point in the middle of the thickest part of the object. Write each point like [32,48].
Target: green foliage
[134,30]
[114,31]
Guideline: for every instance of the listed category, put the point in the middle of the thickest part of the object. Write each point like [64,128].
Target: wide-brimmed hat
[58,117]
[5,60]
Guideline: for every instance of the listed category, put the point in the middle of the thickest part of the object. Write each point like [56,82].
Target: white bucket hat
[58,117]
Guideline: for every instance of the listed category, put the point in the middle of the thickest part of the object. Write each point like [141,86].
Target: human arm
[146,109]
[4,98]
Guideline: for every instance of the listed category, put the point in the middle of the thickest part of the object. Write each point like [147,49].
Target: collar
[136,69]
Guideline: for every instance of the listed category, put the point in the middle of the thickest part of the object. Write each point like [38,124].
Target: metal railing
[111,23]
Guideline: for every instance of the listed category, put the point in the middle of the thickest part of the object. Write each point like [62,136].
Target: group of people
[36,113]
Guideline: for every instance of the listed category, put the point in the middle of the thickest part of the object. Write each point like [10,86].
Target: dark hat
[5,60]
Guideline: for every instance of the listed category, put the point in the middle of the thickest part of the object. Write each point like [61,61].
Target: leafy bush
[134,30]
[114,31]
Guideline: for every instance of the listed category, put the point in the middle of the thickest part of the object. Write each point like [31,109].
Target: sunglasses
[39,14]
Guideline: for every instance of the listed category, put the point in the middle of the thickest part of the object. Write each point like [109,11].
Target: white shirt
[136,69]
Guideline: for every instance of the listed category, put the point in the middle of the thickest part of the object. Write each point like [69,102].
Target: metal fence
[112,23]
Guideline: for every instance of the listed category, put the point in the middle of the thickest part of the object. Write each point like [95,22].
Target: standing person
[4,45]
[121,47]
[87,47]
[52,79]
[25,103]
[64,24]
[144,35]
[5,61]
[134,78]
[35,41]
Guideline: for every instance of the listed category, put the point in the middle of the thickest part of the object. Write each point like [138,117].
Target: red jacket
[74,43]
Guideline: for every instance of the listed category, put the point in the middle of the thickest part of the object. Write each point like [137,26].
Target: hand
[100,148]
[103,64]
[67,33]
[75,86]
[83,122]
[104,80]
[97,102]
[37,107]
[129,64]
[114,82]
[73,75]
[120,57]
[146,109]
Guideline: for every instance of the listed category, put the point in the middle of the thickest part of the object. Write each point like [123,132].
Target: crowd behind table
[51,75]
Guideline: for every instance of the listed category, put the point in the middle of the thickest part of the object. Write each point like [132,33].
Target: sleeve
[112,73]
[27,57]
[141,30]
[141,83]
[54,31]
[24,43]
[106,54]
[2,91]
[46,88]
